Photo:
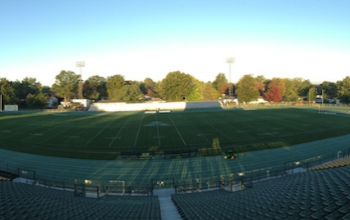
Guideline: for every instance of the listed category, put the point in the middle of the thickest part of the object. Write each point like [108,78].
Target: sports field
[103,135]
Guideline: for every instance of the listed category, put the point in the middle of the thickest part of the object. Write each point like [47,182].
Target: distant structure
[80,64]
[230,60]
[1,103]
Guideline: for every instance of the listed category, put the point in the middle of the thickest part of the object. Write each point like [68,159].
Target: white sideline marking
[6,131]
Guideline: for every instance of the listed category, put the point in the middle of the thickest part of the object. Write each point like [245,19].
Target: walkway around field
[122,172]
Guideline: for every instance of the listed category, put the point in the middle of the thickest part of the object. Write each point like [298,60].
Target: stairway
[167,208]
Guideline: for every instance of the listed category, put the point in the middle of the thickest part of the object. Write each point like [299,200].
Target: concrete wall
[119,106]
[11,108]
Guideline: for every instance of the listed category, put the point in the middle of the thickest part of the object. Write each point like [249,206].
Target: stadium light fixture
[80,64]
[230,60]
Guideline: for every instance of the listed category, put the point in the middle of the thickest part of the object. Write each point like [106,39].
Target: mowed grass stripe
[178,131]
[148,136]
[117,135]
[138,131]
[190,131]
[219,132]
[170,136]
[79,132]
[100,131]
[65,134]
[20,128]
[92,132]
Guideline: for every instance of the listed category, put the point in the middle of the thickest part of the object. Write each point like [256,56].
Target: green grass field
[103,135]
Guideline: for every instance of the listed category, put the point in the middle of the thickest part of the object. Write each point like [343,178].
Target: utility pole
[230,60]
[80,64]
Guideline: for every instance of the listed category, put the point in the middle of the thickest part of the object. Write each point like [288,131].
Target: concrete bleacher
[333,164]
[151,107]
[24,201]
[323,194]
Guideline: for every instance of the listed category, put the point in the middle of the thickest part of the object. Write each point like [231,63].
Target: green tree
[176,86]
[261,84]
[280,83]
[291,94]
[36,101]
[131,93]
[344,90]
[303,86]
[8,92]
[66,84]
[329,90]
[311,95]
[30,99]
[46,90]
[209,92]
[95,87]
[219,82]
[149,87]
[246,89]
[114,85]
[27,86]
[197,91]
[41,100]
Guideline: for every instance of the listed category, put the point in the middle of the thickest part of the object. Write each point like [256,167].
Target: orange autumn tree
[273,93]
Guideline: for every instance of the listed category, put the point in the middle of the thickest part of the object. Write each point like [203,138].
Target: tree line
[176,86]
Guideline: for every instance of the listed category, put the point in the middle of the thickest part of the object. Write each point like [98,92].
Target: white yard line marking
[116,137]
[217,130]
[82,131]
[138,131]
[99,132]
[199,131]
[178,131]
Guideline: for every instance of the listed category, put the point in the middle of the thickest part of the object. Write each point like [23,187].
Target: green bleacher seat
[322,194]
[23,201]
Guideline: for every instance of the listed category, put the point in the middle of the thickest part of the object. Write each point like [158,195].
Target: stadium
[290,162]
[175,110]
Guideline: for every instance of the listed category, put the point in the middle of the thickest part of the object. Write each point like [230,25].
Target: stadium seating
[23,201]
[322,194]
[333,164]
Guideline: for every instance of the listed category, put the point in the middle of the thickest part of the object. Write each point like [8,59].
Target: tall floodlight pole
[80,64]
[230,60]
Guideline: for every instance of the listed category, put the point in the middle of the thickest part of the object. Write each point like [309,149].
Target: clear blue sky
[139,39]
